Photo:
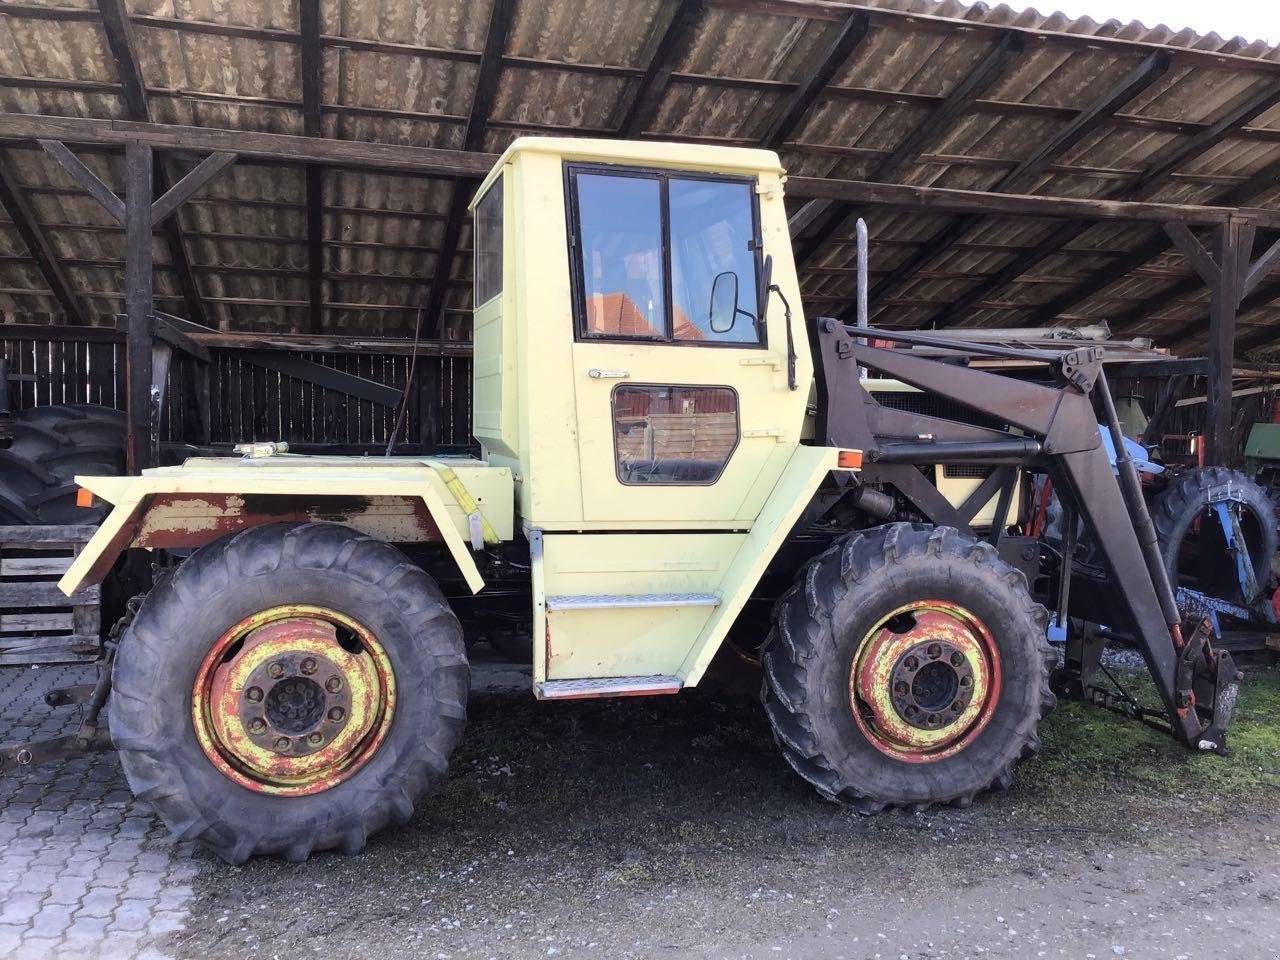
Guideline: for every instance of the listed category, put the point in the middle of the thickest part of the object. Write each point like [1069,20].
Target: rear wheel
[290,688]
[1188,518]
[907,666]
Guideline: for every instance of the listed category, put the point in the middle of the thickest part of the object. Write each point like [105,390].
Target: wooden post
[138,280]
[1223,304]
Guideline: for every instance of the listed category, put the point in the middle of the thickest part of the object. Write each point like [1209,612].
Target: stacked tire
[50,446]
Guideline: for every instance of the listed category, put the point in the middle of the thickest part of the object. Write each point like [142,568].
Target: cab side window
[673,435]
[664,258]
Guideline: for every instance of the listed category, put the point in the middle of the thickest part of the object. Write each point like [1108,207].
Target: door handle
[595,373]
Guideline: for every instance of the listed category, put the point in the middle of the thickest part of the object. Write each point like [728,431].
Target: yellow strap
[465,500]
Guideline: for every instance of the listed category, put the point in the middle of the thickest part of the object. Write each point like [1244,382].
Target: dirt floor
[670,827]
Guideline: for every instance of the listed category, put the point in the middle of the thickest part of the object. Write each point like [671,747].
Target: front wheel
[907,666]
[290,688]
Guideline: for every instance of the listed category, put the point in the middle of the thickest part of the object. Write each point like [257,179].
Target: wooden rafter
[645,95]
[1082,125]
[852,32]
[36,241]
[311,65]
[1265,179]
[940,119]
[1248,107]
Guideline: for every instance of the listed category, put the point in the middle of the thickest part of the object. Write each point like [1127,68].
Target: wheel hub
[932,684]
[924,681]
[281,705]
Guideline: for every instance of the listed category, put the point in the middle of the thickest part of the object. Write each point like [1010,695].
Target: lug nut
[957,658]
[911,711]
[275,671]
[333,684]
[316,738]
[282,744]
[966,681]
[901,688]
[256,725]
[912,663]
[957,707]
[934,651]
[308,666]
[336,714]
[254,694]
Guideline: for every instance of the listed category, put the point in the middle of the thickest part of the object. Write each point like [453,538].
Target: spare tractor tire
[1191,538]
[907,666]
[50,446]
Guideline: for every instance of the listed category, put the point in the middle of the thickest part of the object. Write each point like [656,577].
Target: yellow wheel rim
[924,681]
[293,700]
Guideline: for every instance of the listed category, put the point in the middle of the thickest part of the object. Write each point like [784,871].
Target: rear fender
[185,509]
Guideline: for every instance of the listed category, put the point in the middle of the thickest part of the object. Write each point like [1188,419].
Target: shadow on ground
[671,826]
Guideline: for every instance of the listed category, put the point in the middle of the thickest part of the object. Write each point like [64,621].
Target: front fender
[184,507]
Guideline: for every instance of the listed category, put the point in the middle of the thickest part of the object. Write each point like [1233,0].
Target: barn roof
[897,91]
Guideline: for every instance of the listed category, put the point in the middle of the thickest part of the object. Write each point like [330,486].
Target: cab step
[619,602]
[606,687]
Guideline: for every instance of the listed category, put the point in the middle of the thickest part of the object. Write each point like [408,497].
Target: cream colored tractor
[657,457]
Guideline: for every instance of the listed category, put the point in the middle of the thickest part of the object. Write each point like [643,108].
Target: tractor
[669,451]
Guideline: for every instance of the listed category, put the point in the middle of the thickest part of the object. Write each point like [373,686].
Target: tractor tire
[907,666]
[1198,558]
[222,728]
[50,446]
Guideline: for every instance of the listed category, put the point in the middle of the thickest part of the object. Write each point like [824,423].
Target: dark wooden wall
[251,402]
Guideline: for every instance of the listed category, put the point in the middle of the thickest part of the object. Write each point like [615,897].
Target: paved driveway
[85,871]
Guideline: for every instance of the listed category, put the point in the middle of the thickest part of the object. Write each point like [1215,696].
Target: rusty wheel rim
[924,681]
[293,700]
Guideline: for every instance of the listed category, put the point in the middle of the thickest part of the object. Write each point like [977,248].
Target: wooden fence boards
[38,623]
[251,402]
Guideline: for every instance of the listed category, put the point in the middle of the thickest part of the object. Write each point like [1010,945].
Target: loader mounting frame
[1058,434]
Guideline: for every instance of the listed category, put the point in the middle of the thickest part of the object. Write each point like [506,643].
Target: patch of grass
[1085,746]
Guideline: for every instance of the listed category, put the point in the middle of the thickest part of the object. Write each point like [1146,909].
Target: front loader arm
[1059,435]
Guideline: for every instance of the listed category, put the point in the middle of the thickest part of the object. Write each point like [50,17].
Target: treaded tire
[50,446]
[247,572]
[819,624]
[1185,499]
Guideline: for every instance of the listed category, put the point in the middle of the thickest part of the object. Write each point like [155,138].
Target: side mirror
[723,312]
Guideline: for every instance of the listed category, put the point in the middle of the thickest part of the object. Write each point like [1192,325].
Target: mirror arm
[791,343]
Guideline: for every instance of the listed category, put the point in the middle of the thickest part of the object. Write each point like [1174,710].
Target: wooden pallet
[38,623]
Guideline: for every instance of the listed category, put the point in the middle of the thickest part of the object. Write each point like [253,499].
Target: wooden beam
[1199,258]
[184,189]
[947,200]
[852,32]
[118,28]
[314,185]
[138,305]
[1260,269]
[89,180]
[500,18]
[1083,124]
[1222,326]
[1265,179]
[326,377]
[644,96]
[311,65]
[356,154]
[37,243]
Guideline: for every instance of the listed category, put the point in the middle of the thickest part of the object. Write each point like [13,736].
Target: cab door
[685,416]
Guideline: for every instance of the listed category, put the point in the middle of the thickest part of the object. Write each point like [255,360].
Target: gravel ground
[670,827]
